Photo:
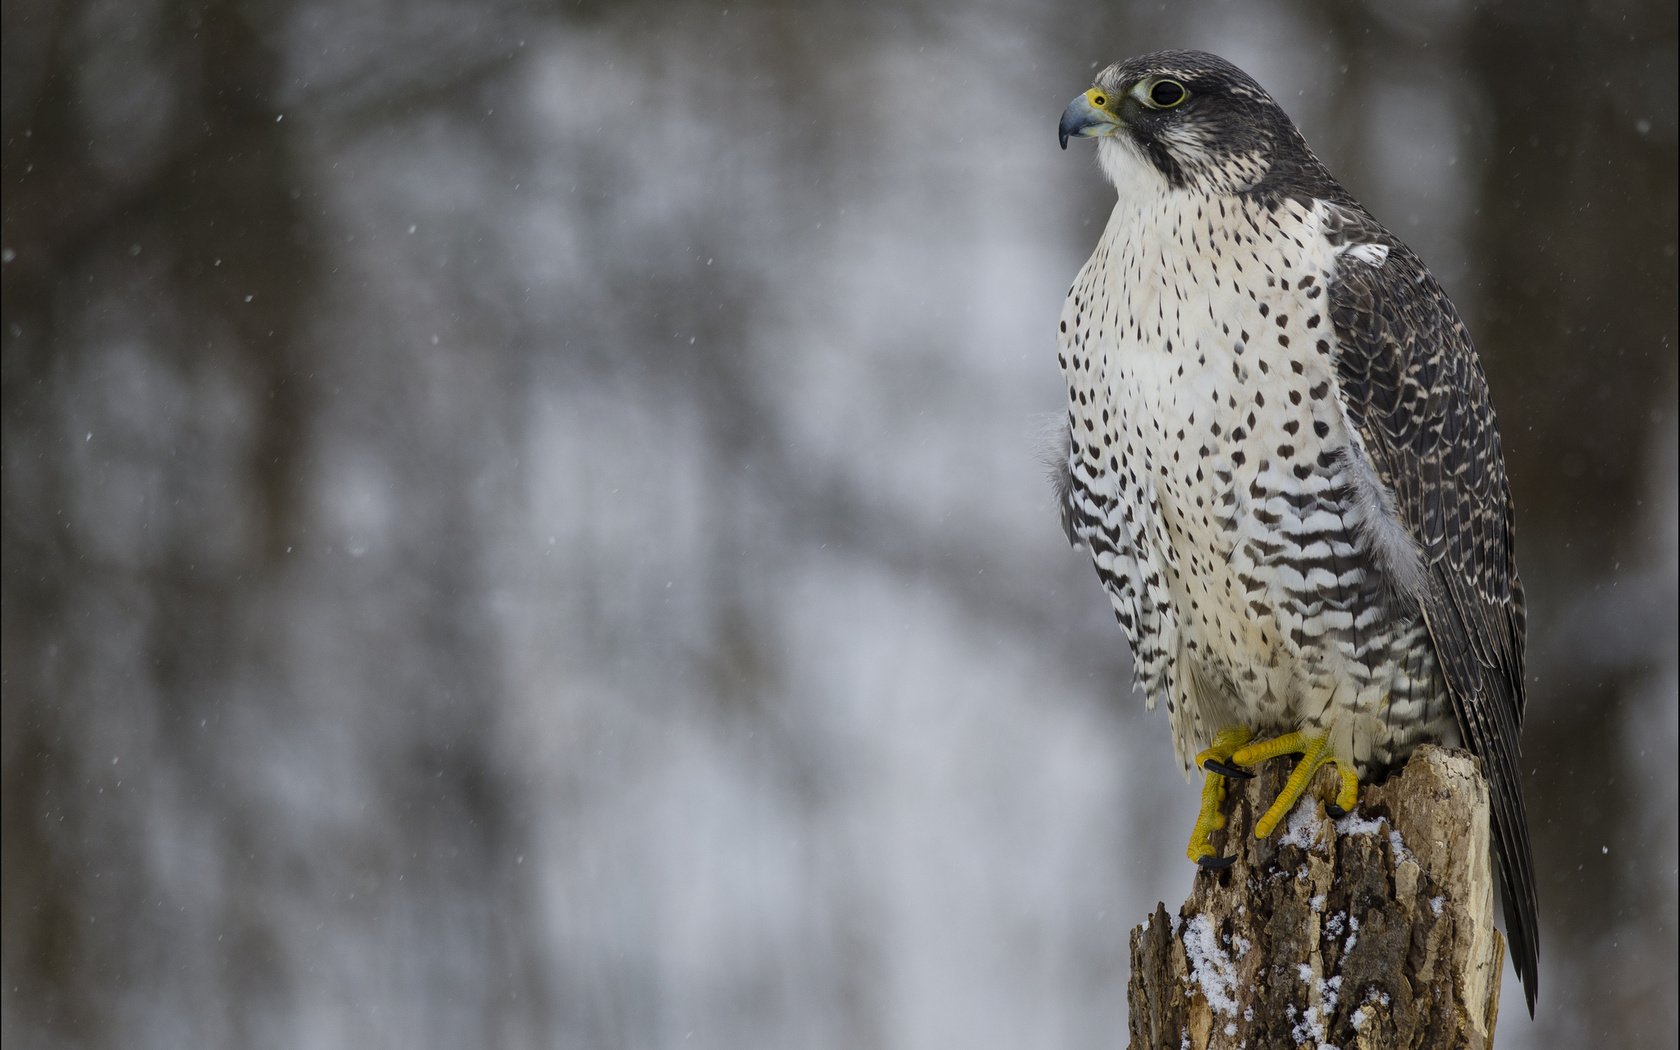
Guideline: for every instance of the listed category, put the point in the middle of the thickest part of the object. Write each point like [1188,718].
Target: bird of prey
[1283,460]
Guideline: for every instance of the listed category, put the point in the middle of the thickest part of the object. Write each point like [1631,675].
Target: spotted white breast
[1211,482]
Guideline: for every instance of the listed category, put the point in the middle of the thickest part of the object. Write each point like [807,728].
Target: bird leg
[1314,750]
[1216,759]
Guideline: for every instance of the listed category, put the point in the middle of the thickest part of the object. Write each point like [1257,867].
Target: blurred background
[524,523]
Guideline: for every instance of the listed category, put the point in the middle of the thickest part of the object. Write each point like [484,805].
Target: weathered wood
[1372,931]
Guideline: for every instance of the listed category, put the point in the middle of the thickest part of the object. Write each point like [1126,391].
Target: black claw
[1333,811]
[1213,765]
[1216,863]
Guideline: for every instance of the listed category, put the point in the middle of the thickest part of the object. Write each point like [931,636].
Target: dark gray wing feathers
[1413,388]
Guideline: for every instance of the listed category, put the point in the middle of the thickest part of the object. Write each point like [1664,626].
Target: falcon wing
[1413,388]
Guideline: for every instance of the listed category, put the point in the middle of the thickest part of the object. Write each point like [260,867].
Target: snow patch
[1309,1029]
[1335,924]
[1397,845]
[1331,991]
[1356,824]
[1362,1015]
[1303,829]
[1211,970]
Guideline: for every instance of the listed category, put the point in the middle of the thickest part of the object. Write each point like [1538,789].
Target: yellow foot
[1315,753]
[1217,761]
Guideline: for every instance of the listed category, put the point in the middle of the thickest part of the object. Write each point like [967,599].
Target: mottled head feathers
[1207,126]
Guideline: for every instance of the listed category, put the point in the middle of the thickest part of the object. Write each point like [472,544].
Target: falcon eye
[1165,94]
[1099,100]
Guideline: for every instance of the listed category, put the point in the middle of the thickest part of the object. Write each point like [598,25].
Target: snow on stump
[1371,931]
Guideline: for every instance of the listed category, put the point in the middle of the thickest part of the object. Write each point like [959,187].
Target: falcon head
[1194,120]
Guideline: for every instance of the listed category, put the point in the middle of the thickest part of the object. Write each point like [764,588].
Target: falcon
[1283,460]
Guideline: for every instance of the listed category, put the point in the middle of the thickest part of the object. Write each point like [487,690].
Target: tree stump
[1371,931]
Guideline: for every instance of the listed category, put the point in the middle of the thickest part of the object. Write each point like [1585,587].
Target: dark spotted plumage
[1281,452]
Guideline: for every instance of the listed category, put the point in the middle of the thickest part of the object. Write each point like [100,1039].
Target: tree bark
[1372,931]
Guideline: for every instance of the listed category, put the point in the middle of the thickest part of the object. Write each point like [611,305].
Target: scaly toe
[1315,753]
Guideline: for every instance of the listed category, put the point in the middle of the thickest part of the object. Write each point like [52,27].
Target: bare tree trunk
[1375,930]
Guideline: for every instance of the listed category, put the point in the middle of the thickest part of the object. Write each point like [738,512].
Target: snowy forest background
[523,523]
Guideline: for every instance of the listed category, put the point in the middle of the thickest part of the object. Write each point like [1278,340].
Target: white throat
[1130,172]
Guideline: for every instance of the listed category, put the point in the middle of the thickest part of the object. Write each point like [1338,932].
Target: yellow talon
[1315,753]
[1347,797]
[1210,819]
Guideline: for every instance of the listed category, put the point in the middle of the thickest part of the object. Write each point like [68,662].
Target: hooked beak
[1089,116]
